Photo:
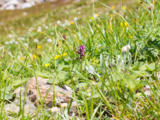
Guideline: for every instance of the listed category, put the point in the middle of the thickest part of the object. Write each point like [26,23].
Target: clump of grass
[118,57]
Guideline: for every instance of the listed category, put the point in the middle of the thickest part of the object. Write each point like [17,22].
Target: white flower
[12,41]
[30,30]
[147,86]
[75,18]
[54,109]
[7,43]
[51,33]
[16,42]
[19,57]
[46,27]
[49,40]
[9,53]
[148,93]
[35,40]
[58,22]
[10,35]
[39,29]
[25,44]
[64,105]
[22,38]
[126,48]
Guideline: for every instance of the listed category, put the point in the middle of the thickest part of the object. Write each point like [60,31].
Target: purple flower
[81,51]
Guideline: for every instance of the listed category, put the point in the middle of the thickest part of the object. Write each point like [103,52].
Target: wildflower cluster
[81,51]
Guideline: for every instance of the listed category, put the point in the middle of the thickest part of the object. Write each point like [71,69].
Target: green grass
[111,82]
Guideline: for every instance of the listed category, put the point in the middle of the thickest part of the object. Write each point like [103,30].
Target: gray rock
[29,97]
[10,5]
[26,5]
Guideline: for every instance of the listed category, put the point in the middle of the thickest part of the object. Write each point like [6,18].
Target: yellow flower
[57,57]
[111,15]
[97,15]
[22,58]
[64,54]
[130,36]
[71,46]
[72,22]
[113,7]
[125,24]
[154,2]
[92,18]
[109,27]
[34,56]
[123,7]
[39,46]
[121,24]
[47,65]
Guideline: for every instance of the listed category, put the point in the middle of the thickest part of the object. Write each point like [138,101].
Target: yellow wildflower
[71,46]
[109,27]
[113,7]
[57,57]
[97,15]
[22,58]
[125,24]
[64,54]
[47,65]
[72,22]
[92,18]
[111,15]
[154,2]
[123,7]
[39,46]
[121,24]
[34,56]
[130,36]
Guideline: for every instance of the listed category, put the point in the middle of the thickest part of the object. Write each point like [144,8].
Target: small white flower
[39,29]
[75,18]
[64,105]
[19,57]
[58,22]
[51,33]
[147,86]
[46,27]
[126,48]
[54,109]
[22,38]
[35,40]
[7,43]
[25,44]
[12,41]
[16,42]
[49,40]
[148,93]
[9,53]
[10,35]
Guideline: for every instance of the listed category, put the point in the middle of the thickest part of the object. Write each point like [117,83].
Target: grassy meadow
[109,50]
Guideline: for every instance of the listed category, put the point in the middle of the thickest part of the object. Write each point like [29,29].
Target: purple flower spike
[81,51]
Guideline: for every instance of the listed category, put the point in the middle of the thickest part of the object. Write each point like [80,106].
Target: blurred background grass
[21,20]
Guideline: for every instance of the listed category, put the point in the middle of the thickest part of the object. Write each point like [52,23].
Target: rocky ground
[22,4]
[28,96]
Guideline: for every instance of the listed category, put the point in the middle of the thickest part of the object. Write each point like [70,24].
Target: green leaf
[151,67]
